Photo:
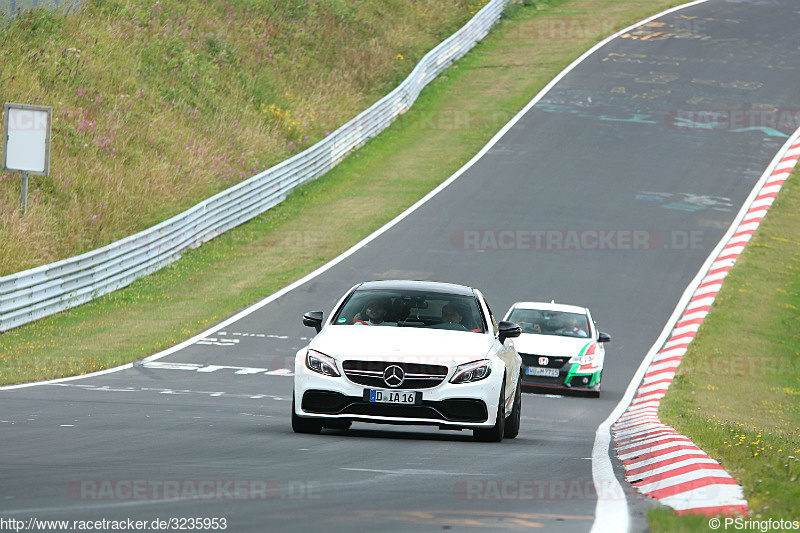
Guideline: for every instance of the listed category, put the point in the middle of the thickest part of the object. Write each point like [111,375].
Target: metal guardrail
[39,292]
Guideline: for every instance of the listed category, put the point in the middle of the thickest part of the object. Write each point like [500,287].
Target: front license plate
[541,372]
[408,397]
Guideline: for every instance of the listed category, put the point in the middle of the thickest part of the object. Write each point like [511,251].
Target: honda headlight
[586,356]
[475,371]
[322,364]
[582,359]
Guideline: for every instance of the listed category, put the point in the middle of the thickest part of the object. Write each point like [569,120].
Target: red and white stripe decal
[659,461]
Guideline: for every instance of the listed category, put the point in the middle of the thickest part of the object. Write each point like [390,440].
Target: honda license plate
[541,372]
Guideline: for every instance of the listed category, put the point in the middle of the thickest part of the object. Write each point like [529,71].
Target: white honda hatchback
[409,352]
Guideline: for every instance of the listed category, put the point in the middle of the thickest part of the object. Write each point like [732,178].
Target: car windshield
[543,322]
[408,308]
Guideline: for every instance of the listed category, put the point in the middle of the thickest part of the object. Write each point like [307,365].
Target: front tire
[514,420]
[494,433]
[304,425]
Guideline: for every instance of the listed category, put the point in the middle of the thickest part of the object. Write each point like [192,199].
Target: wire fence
[39,292]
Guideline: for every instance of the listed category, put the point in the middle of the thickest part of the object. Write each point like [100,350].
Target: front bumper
[571,376]
[456,406]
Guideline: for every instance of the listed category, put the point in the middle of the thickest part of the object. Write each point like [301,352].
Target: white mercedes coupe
[409,352]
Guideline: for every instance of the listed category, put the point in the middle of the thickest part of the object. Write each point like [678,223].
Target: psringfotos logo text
[740,523]
[575,239]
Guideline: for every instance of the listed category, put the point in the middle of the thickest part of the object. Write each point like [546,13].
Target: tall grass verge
[160,104]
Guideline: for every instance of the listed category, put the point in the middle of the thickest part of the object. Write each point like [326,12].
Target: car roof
[408,285]
[550,306]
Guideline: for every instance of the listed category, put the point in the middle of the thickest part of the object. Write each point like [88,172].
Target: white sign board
[26,139]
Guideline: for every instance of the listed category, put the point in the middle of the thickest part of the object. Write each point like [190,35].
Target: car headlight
[475,371]
[322,364]
[586,356]
[582,359]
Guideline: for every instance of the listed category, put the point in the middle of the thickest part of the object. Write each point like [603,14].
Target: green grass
[160,104]
[737,391]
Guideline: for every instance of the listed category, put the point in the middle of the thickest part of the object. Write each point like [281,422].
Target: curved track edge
[659,462]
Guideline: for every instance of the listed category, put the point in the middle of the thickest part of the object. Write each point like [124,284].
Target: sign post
[26,143]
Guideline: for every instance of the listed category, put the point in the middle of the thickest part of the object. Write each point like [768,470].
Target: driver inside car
[375,312]
[575,328]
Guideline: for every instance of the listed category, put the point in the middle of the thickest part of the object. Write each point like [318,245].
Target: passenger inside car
[530,322]
[451,318]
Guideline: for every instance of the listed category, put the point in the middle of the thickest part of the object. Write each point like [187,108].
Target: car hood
[415,345]
[552,345]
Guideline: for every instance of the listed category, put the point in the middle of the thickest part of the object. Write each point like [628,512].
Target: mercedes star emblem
[394,376]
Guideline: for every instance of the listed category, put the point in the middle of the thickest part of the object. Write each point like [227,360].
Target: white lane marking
[207,369]
[211,394]
[213,341]
[260,335]
[280,372]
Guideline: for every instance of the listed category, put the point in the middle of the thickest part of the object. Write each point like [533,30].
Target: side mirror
[603,337]
[313,319]
[508,330]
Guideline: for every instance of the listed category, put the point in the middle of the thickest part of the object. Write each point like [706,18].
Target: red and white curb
[660,462]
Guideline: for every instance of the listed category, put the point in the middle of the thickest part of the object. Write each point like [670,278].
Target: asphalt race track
[621,144]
